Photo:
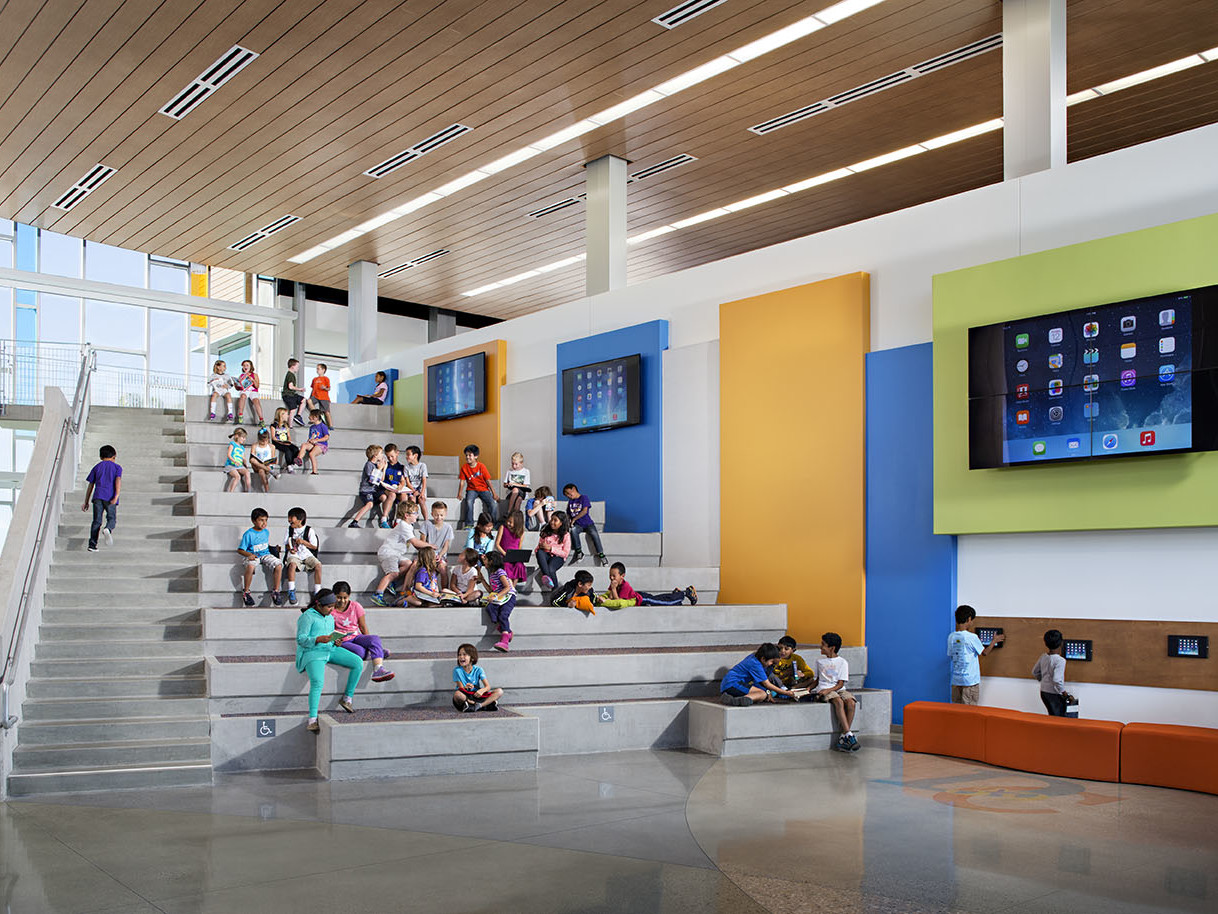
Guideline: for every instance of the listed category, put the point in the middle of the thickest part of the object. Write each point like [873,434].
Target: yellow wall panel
[452,435]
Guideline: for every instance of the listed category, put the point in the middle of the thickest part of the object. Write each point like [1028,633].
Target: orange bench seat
[1166,755]
[943,729]
[1059,746]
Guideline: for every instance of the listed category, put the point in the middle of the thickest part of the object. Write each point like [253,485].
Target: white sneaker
[107,536]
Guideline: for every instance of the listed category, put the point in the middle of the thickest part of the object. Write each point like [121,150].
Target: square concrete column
[361,312]
[298,330]
[1033,86]
[605,234]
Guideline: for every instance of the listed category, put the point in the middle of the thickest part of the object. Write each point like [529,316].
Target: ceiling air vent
[96,176]
[683,12]
[984,46]
[418,261]
[675,161]
[554,207]
[436,140]
[265,232]
[229,65]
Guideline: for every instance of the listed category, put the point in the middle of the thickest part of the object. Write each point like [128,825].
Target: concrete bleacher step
[116,777]
[94,709]
[108,754]
[718,729]
[63,733]
[133,526]
[136,550]
[169,502]
[128,649]
[112,686]
[106,617]
[86,598]
[227,631]
[341,438]
[338,459]
[351,415]
[91,666]
[137,631]
[305,483]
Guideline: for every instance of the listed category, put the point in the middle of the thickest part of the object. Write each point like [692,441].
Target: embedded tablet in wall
[601,396]
[1129,378]
[456,388]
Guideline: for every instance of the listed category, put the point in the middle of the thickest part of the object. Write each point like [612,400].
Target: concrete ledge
[236,745]
[304,483]
[499,742]
[352,415]
[718,729]
[580,728]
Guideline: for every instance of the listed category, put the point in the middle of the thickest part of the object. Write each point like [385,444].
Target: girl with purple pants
[349,621]
[502,600]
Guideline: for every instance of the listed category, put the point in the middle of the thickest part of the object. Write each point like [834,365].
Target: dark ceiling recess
[386,305]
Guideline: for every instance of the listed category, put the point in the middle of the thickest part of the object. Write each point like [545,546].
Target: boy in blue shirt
[105,480]
[965,650]
[748,681]
[392,485]
[579,509]
[255,548]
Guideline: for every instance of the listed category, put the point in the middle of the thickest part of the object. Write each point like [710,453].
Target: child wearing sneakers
[281,438]
[350,622]
[1050,672]
[220,384]
[292,392]
[255,548]
[622,594]
[474,479]
[832,673]
[319,390]
[318,443]
[473,692]
[236,459]
[394,553]
[552,550]
[300,549]
[516,484]
[749,680]
[539,508]
[425,588]
[370,492]
[316,646]
[105,480]
[577,593]
[579,509]
[502,599]
[415,478]
[439,534]
[262,459]
[392,485]
[247,383]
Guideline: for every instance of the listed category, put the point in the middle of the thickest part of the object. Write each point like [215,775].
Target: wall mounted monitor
[1195,646]
[456,388]
[986,636]
[601,396]
[1076,649]
[1129,378]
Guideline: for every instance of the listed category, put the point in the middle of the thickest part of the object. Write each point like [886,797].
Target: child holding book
[281,439]
[220,384]
[502,599]
[474,692]
[516,484]
[508,539]
[466,577]
[541,507]
[247,384]
[393,485]
[317,645]
[262,459]
[394,553]
[318,443]
[425,591]
[350,621]
[749,680]
[380,393]
[552,550]
[236,459]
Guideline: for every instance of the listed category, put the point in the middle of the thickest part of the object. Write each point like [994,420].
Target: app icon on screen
[1129,378]
[1167,373]
[1021,417]
[1056,413]
[1129,350]
[1147,439]
[1167,317]
[1167,344]
[1091,356]
[1073,444]
[1055,335]
[1055,360]
[1091,410]
[1110,442]
[1021,366]
[1055,387]
[1091,330]
[1021,391]
[1129,324]
[1039,448]
[1091,383]
[1021,341]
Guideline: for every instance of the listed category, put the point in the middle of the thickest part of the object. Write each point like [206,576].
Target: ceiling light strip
[93,179]
[232,62]
[764,45]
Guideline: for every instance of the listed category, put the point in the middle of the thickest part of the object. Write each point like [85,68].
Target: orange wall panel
[792,420]
[452,435]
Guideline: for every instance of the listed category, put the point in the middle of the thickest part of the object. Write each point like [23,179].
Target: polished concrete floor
[875,831]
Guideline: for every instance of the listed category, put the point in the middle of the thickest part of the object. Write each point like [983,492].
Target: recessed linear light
[1145,76]
[679,83]
[232,62]
[94,178]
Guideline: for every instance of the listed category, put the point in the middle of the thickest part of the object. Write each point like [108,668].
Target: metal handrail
[71,426]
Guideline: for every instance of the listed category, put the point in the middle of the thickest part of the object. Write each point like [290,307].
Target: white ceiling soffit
[229,65]
[94,179]
[436,140]
[683,12]
[977,48]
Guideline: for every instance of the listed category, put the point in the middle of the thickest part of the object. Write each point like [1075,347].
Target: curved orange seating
[1165,755]
[943,729]
[1055,745]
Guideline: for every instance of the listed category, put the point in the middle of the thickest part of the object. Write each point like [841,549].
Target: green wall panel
[408,408]
[1172,490]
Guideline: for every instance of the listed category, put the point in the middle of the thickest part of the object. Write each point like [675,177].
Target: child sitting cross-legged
[394,553]
[832,673]
[351,622]
[425,589]
[790,669]
[262,459]
[749,680]
[621,594]
[466,576]
[473,693]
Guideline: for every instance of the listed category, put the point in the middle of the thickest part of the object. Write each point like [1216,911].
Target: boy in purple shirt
[579,508]
[105,480]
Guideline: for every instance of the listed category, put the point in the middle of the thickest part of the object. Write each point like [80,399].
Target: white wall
[1164,181]
[691,457]
[527,423]
[326,330]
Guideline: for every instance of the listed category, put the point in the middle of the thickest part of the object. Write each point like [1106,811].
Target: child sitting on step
[473,693]
[791,670]
[236,460]
[370,496]
[832,673]
[466,576]
[262,459]
[316,646]
[394,553]
[502,600]
[255,549]
[351,623]
[281,438]
[539,508]
[749,680]
[318,443]
[577,593]
[425,589]
[220,384]
[621,594]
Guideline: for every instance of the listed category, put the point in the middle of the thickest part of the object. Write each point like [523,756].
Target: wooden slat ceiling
[343,84]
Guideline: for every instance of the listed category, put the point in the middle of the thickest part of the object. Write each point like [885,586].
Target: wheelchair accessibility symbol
[265,727]
[604,714]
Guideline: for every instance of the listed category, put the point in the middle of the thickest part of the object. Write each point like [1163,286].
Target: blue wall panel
[623,467]
[365,384]
[911,572]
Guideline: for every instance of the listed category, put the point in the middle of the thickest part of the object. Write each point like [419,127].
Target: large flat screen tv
[456,388]
[1129,378]
[601,396]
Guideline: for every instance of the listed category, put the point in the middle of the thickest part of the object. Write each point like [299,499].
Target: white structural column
[361,312]
[298,337]
[1033,86]
[605,235]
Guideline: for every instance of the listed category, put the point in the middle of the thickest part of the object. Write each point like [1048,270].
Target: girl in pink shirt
[553,549]
[350,623]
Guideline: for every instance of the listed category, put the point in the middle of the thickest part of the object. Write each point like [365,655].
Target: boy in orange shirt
[475,480]
[320,399]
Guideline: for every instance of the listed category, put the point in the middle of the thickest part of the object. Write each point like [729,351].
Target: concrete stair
[118,694]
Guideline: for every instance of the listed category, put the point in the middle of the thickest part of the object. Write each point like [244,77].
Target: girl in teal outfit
[317,645]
